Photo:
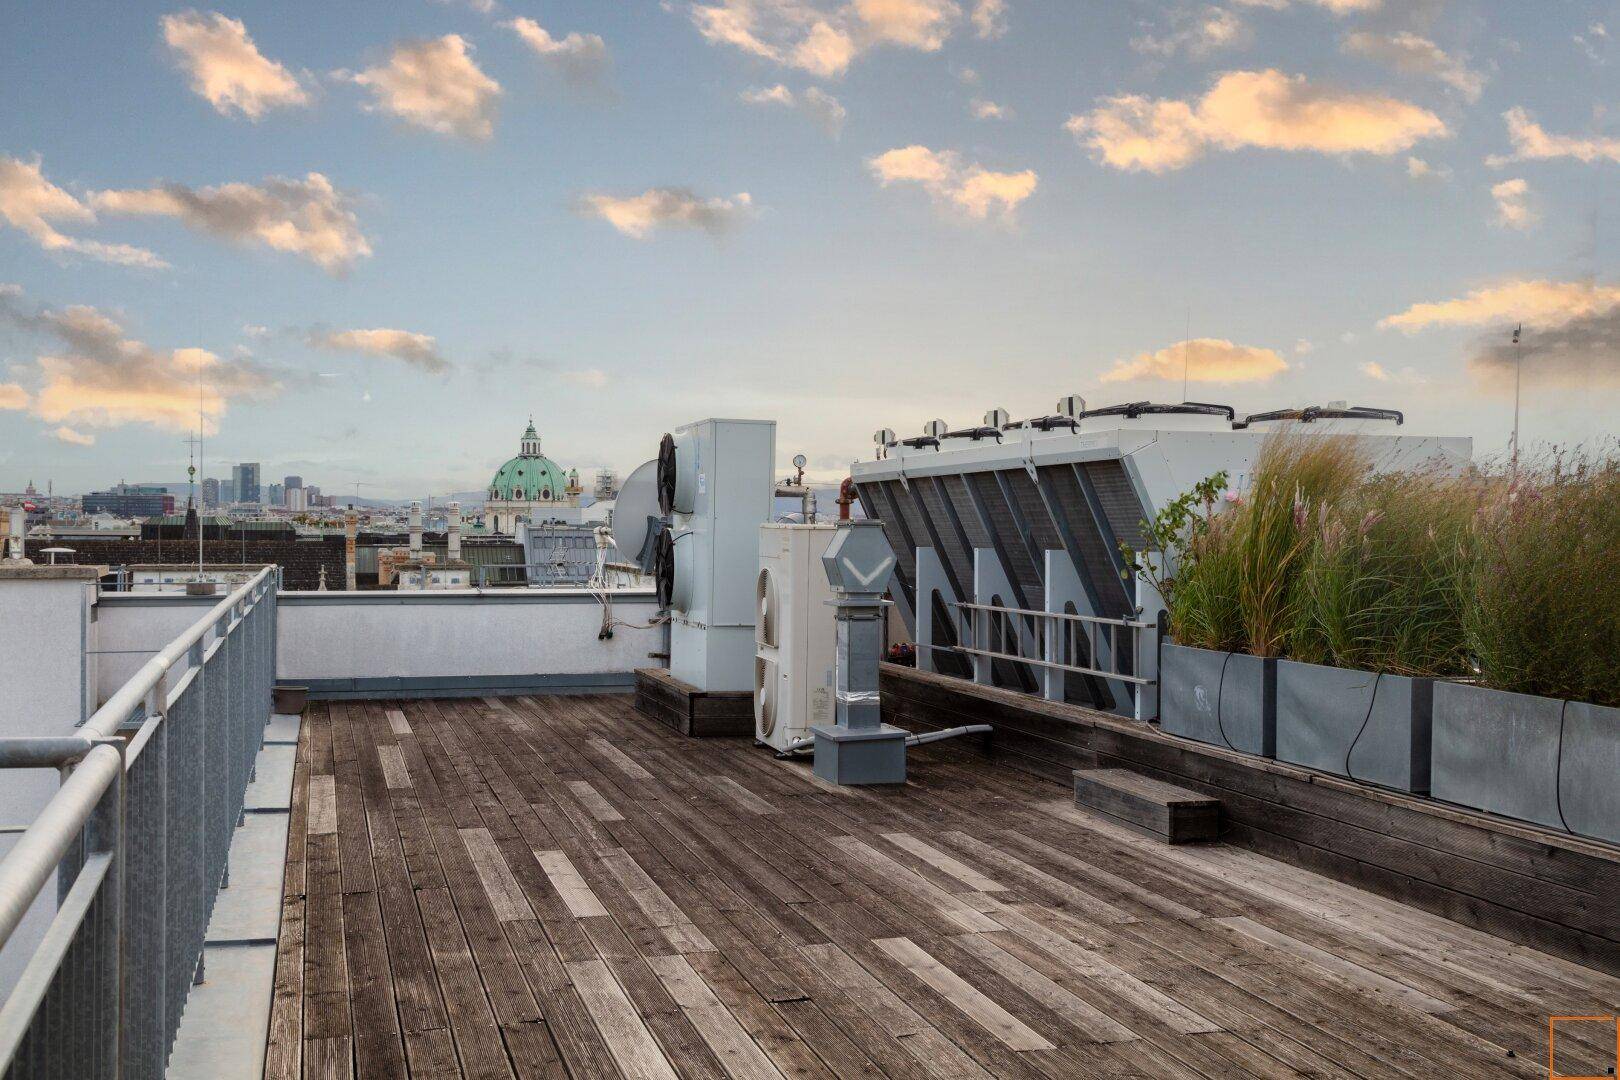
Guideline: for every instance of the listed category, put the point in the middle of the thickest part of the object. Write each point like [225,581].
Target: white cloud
[990,18]
[581,59]
[73,438]
[980,109]
[591,378]
[1536,303]
[1379,373]
[1418,169]
[1513,210]
[309,217]
[824,37]
[31,204]
[1531,142]
[434,85]
[226,68]
[1262,109]
[1337,7]
[98,376]
[1196,33]
[1202,360]
[639,216]
[971,190]
[416,350]
[1416,55]
[13,396]
[820,106]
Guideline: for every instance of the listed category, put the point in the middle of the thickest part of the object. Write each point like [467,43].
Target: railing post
[104,833]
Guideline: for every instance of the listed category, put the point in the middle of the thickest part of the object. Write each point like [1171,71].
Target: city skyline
[368,242]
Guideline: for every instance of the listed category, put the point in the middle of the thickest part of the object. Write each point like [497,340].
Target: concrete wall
[133,626]
[450,642]
[47,679]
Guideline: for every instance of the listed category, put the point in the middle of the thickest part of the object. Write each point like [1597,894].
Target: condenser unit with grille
[716,482]
[794,639]
[1032,514]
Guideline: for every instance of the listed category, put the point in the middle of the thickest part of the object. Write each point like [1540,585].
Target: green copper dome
[531,476]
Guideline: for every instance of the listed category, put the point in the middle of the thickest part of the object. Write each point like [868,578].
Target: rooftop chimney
[416,530]
[350,523]
[18,526]
[453,540]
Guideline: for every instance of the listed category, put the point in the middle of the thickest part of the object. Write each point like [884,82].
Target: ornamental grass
[1541,614]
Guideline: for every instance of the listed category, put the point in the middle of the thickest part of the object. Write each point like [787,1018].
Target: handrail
[107,719]
[29,864]
[1066,615]
[138,835]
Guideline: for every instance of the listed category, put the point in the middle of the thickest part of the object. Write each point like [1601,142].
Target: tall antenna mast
[1186,354]
[1518,374]
[202,529]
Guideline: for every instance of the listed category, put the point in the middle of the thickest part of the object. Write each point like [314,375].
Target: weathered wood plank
[398,723]
[992,1017]
[395,771]
[632,1045]
[505,895]
[957,869]
[592,800]
[576,893]
[322,805]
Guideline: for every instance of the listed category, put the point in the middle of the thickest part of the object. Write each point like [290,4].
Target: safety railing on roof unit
[1084,644]
[137,837]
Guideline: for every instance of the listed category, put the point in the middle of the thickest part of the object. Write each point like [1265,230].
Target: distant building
[297,499]
[529,487]
[245,477]
[290,482]
[272,495]
[210,494]
[129,500]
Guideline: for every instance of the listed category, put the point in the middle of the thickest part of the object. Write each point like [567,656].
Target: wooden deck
[555,886]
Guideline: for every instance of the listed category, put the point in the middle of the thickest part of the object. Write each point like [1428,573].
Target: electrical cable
[1220,688]
[1372,703]
[1558,769]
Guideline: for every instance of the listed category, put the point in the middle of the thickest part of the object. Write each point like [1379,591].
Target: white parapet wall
[132,627]
[463,642]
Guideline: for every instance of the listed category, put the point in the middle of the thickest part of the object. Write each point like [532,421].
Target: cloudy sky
[366,241]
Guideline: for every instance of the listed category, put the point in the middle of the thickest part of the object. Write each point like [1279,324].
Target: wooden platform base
[1171,813]
[691,711]
[1540,888]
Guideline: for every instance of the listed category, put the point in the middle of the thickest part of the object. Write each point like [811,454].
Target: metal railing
[138,837]
[1051,639]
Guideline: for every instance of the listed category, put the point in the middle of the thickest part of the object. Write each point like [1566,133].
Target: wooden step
[1171,813]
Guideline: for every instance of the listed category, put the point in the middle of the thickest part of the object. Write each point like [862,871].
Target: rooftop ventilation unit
[1334,416]
[1035,525]
[716,477]
[794,636]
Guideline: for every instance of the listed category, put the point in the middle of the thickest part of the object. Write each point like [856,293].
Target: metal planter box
[1591,764]
[1498,752]
[1228,699]
[1357,724]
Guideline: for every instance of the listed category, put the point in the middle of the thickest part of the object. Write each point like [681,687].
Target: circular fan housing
[764,697]
[765,609]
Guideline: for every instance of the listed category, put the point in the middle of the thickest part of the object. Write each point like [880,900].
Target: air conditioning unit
[716,480]
[794,635]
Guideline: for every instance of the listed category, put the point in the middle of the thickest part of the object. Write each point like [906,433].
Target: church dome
[531,476]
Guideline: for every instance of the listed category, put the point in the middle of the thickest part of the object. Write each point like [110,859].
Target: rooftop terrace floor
[556,886]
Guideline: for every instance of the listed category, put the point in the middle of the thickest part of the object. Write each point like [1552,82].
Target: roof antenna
[1186,354]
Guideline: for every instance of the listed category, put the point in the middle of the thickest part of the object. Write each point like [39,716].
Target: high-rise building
[312,494]
[210,494]
[129,500]
[296,499]
[290,482]
[272,495]
[246,477]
